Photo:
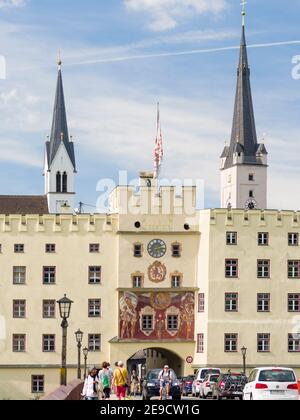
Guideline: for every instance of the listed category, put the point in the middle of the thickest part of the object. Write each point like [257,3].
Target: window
[94,248]
[0,248]
[37,384]
[50,248]
[200,343]
[176,281]
[231,268]
[19,248]
[231,302]
[176,250]
[263,343]
[293,269]
[65,182]
[263,269]
[19,275]
[231,343]
[294,343]
[229,179]
[231,238]
[94,308]
[49,275]
[251,177]
[95,275]
[94,342]
[263,302]
[147,322]
[263,239]
[49,309]
[294,302]
[48,343]
[172,322]
[137,282]
[58,182]
[19,308]
[201,302]
[19,343]
[251,194]
[138,250]
[293,239]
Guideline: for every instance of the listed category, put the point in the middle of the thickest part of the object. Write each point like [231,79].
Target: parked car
[200,378]
[151,386]
[230,386]
[187,388]
[206,386]
[272,384]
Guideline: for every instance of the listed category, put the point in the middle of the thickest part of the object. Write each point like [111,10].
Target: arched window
[58,182]
[65,182]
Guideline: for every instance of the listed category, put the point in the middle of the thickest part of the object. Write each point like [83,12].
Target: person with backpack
[105,381]
[120,381]
[165,377]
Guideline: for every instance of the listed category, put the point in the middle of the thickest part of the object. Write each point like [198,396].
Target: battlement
[66,223]
[149,200]
[259,218]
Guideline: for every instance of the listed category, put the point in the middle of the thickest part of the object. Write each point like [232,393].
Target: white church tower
[244,162]
[60,166]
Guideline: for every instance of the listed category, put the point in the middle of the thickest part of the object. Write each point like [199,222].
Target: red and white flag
[158,149]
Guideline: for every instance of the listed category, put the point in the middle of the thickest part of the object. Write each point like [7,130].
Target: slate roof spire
[243,127]
[59,131]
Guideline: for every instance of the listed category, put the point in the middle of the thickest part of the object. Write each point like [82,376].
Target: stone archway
[173,353]
[155,358]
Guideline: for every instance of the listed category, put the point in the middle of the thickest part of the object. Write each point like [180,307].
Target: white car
[201,374]
[206,386]
[272,384]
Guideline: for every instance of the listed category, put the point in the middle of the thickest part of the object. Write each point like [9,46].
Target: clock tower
[244,162]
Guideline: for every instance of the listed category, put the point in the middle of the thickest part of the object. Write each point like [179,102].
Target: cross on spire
[243,4]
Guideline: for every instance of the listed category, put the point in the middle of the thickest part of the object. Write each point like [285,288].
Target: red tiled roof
[20,204]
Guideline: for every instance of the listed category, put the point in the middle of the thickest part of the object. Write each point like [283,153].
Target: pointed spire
[59,131]
[243,127]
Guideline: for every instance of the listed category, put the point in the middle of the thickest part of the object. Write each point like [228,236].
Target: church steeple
[60,164]
[244,158]
[59,131]
[243,127]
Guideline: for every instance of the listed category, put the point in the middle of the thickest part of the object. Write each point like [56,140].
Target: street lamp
[244,353]
[79,336]
[85,353]
[64,311]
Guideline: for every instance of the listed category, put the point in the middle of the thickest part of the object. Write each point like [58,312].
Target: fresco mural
[157,316]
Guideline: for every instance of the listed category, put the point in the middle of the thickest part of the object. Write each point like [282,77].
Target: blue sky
[112,87]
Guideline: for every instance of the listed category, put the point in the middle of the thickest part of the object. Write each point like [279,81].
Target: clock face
[157,248]
[250,204]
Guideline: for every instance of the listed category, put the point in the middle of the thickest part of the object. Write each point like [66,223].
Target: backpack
[105,381]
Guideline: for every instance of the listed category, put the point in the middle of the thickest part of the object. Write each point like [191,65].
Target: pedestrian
[134,383]
[90,388]
[105,381]
[120,381]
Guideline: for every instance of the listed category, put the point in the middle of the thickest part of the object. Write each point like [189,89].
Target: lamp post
[85,353]
[79,335]
[244,353]
[64,311]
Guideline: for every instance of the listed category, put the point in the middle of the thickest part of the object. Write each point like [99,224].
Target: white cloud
[12,3]
[166,14]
